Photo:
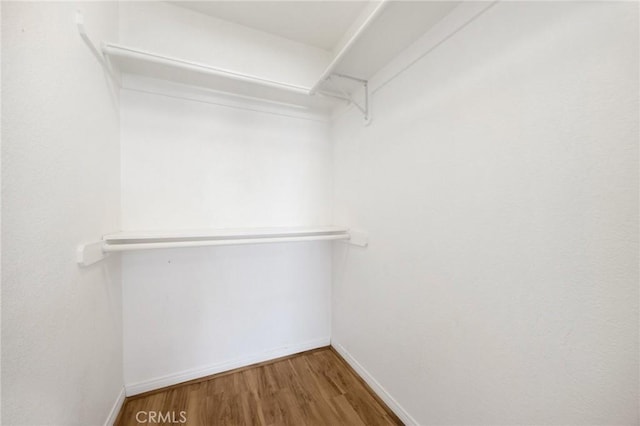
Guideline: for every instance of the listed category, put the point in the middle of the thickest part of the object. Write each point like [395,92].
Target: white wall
[199,164]
[61,325]
[498,182]
[171,30]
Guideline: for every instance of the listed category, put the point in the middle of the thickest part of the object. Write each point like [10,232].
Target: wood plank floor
[311,388]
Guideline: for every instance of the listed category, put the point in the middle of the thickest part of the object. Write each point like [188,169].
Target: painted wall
[61,325]
[190,164]
[498,182]
[171,30]
[202,164]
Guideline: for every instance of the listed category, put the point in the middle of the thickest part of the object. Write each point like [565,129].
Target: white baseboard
[115,410]
[198,372]
[375,386]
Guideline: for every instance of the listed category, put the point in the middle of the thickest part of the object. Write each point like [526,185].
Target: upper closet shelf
[394,28]
[138,62]
[381,31]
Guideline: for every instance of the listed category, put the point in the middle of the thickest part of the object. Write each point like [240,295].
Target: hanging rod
[130,241]
[108,248]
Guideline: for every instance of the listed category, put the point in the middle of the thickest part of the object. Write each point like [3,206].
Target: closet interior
[443,192]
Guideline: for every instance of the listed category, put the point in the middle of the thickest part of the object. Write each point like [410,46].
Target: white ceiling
[317,23]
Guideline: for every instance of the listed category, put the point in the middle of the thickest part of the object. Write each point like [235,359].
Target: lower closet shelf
[127,241]
[146,240]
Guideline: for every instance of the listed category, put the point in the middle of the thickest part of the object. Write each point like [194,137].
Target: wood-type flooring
[310,388]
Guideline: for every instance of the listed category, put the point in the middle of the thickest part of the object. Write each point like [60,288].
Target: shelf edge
[119,51]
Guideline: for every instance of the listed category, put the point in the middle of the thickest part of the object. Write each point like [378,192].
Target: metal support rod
[366,100]
[347,96]
[348,77]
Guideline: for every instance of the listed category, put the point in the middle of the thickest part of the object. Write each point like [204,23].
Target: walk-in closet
[320,213]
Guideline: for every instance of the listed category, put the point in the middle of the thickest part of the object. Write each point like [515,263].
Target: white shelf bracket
[358,238]
[364,107]
[94,50]
[90,253]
